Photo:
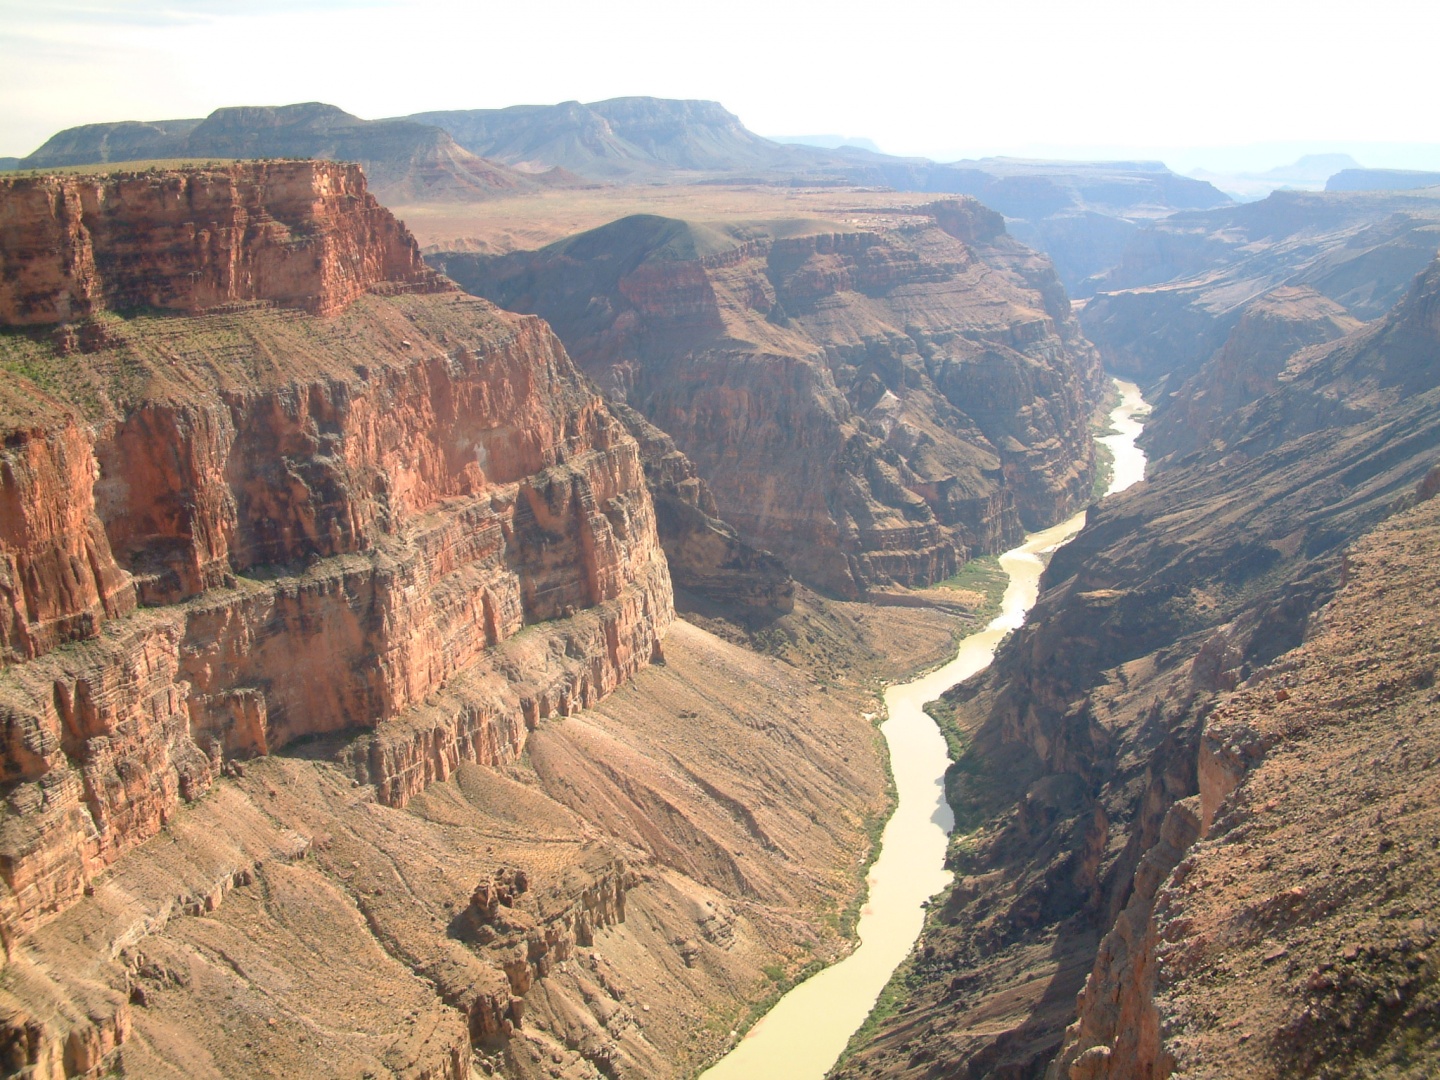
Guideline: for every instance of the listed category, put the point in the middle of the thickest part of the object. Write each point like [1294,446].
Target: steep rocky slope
[1183,283]
[706,555]
[326,524]
[338,736]
[604,907]
[405,160]
[1292,936]
[871,405]
[1089,728]
[417,500]
[1272,329]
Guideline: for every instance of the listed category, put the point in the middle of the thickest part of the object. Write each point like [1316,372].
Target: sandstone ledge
[349,540]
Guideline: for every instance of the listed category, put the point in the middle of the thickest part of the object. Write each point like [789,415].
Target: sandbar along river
[804,1034]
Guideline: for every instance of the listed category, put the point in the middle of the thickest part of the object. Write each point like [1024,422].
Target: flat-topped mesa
[302,234]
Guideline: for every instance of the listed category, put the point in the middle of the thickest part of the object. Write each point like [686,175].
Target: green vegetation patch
[1104,471]
[975,787]
[984,576]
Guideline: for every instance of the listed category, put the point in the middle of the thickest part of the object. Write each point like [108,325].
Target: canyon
[1182,283]
[1109,751]
[466,665]
[925,382]
[346,721]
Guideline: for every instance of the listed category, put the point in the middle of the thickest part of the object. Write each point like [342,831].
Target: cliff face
[329,525]
[403,525]
[872,407]
[1288,923]
[1098,748]
[267,577]
[706,555]
[298,234]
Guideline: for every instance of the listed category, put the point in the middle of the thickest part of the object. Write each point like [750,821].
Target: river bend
[806,1031]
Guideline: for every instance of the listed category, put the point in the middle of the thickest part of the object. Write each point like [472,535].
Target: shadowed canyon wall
[1160,667]
[872,406]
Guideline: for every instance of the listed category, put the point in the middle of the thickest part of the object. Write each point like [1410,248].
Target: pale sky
[940,79]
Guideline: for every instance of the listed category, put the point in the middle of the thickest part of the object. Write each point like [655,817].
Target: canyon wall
[871,406]
[228,533]
[1183,283]
[298,234]
[706,555]
[1117,728]
[276,560]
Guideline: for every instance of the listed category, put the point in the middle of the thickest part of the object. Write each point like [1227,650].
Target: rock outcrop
[706,555]
[329,524]
[1099,749]
[871,406]
[297,234]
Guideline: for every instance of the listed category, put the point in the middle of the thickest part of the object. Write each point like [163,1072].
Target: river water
[803,1035]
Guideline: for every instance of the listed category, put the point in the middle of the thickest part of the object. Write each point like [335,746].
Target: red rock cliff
[330,524]
[303,234]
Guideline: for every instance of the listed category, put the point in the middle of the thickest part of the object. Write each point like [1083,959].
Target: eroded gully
[803,1035]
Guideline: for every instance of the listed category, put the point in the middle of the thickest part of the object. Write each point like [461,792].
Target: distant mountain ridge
[1382,180]
[618,139]
[405,160]
[1080,213]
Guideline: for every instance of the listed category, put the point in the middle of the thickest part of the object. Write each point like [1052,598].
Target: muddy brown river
[803,1035]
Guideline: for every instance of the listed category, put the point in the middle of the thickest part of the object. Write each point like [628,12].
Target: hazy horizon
[1183,84]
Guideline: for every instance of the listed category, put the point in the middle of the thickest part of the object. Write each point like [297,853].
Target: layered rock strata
[871,406]
[328,524]
[299,234]
[706,555]
[605,911]
[1097,749]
